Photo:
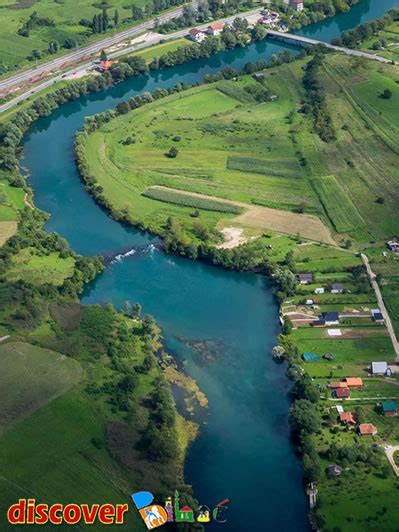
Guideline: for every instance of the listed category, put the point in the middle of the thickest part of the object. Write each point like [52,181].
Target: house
[337,288]
[319,290]
[389,408]
[215,28]
[367,429]
[297,5]
[330,318]
[347,418]
[393,246]
[104,65]
[379,368]
[196,35]
[336,385]
[354,382]
[342,393]
[305,278]
[334,470]
[377,316]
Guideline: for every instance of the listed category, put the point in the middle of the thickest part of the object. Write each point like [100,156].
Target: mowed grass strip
[190,200]
[30,377]
[338,206]
[284,168]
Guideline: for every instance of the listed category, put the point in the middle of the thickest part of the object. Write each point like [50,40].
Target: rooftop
[216,25]
[389,406]
[379,367]
[347,417]
[342,393]
[354,381]
[367,429]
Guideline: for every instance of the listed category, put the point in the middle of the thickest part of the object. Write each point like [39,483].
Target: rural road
[150,40]
[390,451]
[381,305]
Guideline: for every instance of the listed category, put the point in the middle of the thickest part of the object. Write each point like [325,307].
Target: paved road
[381,305]
[301,40]
[151,39]
[389,451]
[90,49]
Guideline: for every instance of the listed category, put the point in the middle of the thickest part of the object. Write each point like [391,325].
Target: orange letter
[54,518]
[16,513]
[106,514]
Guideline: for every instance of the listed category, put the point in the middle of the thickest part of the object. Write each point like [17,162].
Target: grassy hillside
[248,141]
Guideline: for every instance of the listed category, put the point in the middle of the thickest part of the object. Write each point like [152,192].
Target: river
[243,451]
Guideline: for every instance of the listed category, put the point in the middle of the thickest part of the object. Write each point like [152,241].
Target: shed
[379,368]
[319,290]
[389,408]
[335,385]
[377,316]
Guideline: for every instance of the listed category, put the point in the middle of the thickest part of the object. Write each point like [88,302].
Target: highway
[150,40]
[90,49]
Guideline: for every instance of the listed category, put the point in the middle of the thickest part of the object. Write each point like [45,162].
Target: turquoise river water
[243,451]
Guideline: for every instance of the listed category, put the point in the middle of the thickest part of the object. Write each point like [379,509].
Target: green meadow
[231,146]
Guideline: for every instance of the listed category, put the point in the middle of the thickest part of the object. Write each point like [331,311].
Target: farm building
[393,246]
[297,5]
[215,28]
[389,408]
[327,318]
[342,393]
[367,429]
[377,316]
[347,418]
[337,288]
[196,35]
[305,278]
[334,470]
[338,384]
[354,382]
[379,368]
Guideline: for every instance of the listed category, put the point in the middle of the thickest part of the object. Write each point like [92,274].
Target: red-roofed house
[215,28]
[335,385]
[196,35]
[105,65]
[354,382]
[342,393]
[367,429]
[347,418]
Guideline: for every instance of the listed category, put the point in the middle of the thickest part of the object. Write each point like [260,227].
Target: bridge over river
[299,40]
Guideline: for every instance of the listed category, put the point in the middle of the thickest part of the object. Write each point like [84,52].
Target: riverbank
[342,349]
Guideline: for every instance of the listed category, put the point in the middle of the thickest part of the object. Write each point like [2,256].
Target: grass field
[39,269]
[231,147]
[30,378]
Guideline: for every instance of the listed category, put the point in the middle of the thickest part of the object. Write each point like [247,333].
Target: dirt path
[381,305]
[263,218]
